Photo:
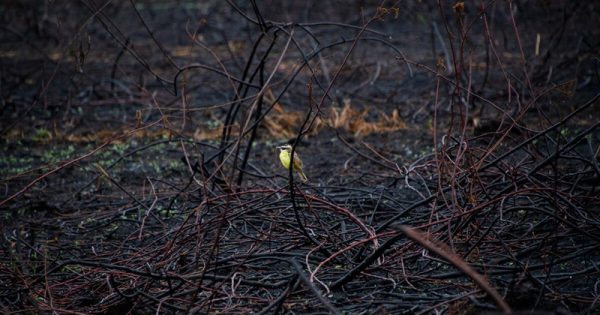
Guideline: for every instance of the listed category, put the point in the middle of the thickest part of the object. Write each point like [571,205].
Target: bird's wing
[297,160]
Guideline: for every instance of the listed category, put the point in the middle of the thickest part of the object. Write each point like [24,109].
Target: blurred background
[139,173]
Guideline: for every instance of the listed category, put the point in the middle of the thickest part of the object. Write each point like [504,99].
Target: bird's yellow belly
[284,157]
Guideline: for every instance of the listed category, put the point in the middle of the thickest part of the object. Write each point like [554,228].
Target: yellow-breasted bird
[285,157]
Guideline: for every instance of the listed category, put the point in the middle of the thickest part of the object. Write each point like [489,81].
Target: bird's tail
[302,176]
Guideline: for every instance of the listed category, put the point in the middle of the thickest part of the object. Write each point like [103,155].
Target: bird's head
[286,147]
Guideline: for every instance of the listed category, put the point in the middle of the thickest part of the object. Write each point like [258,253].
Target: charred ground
[139,172]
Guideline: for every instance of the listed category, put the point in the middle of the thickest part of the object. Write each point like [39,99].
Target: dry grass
[284,124]
[279,124]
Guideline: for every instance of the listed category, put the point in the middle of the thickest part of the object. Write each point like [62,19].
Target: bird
[285,158]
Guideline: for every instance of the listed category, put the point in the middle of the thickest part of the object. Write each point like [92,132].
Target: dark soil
[139,171]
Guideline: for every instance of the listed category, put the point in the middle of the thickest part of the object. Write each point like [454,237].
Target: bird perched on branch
[285,156]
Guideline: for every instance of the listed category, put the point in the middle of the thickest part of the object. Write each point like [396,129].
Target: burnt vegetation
[452,151]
